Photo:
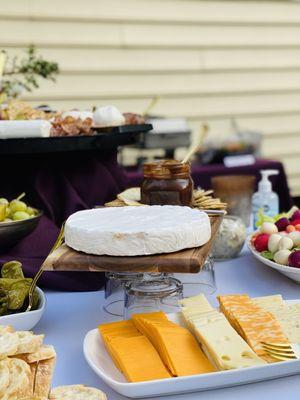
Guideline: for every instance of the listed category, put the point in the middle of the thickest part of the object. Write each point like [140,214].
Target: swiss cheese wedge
[226,348]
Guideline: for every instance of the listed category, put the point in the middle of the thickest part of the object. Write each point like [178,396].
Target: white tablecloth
[70,315]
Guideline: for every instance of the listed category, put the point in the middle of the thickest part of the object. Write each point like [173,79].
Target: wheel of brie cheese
[136,231]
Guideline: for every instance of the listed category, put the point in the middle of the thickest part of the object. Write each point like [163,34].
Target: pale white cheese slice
[222,344]
[134,231]
[226,347]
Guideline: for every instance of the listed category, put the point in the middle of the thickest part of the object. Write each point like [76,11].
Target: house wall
[206,60]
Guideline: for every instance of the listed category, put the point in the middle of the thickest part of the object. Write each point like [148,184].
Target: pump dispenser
[265,199]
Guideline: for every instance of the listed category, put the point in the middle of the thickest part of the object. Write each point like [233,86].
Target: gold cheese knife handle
[59,241]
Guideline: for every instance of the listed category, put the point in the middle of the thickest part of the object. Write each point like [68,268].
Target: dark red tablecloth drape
[59,185]
[65,183]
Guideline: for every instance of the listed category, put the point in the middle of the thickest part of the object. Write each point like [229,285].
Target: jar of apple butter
[167,182]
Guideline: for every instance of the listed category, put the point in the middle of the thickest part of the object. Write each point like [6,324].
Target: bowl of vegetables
[276,243]
[14,288]
[17,220]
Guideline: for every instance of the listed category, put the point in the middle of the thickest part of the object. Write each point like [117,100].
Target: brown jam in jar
[167,182]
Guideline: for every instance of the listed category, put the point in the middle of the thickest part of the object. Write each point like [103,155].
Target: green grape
[17,205]
[30,211]
[20,215]
[8,212]
[3,201]
[2,212]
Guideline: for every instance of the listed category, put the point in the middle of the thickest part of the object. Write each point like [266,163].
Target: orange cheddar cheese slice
[176,346]
[110,331]
[138,359]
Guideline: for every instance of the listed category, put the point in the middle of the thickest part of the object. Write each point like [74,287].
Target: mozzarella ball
[285,243]
[283,233]
[295,236]
[273,242]
[269,228]
[282,257]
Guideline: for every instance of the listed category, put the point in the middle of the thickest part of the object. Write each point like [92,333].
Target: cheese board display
[103,139]
[199,348]
[28,130]
[187,260]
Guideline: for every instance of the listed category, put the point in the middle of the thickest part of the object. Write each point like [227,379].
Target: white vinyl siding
[206,60]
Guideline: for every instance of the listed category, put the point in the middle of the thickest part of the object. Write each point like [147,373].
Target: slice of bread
[76,392]
[8,344]
[28,342]
[4,376]
[43,377]
[6,328]
[19,379]
[33,369]
[45,352]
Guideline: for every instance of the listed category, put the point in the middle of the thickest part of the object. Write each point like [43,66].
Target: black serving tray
[105,138]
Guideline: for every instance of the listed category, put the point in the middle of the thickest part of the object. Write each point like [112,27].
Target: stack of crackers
[201,199]
[130,197]
[204,200]
[27,367]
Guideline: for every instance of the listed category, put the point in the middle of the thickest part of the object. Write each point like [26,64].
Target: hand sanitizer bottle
[265,198]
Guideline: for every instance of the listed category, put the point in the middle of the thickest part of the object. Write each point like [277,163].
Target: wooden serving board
[185,261]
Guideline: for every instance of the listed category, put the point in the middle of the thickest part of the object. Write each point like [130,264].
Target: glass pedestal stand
[127,293]
[202,282]
[153,294]
[114,290]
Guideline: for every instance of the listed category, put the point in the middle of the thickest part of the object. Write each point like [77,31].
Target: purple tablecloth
[202,175]
[59,185]
[63,184]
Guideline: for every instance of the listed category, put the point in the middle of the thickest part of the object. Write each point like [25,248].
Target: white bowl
[25,321]
[290,272]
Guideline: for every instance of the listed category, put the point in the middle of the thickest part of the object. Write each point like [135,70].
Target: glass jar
[236,191]
[167,182]
[230,238]
[153,295]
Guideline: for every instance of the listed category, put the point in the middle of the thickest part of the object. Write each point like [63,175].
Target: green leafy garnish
[261,218]
[267,254]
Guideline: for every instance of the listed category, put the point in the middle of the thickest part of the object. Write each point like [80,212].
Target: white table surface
[69,316]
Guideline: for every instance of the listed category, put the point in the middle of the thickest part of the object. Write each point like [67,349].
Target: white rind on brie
[135,231]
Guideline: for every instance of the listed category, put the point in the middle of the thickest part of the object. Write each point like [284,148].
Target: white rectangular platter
[101,363]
